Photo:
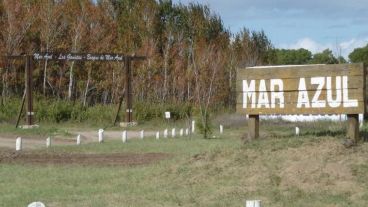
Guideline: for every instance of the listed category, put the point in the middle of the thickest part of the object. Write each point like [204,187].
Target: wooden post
[353,127]
[365,82]
[128,90]
[117,118]
[253,127]
[28,74]
[21,109]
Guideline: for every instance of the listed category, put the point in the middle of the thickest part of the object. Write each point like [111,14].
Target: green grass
[42,131]
[213,172]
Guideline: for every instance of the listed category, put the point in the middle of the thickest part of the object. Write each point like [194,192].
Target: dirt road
[31,142]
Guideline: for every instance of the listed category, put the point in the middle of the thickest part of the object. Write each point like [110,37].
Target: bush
[57,111]
[205,127]
[146,111]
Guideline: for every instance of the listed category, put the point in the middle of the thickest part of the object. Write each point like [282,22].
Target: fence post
[124,136]
[253,127]
[353,127]
[18,144]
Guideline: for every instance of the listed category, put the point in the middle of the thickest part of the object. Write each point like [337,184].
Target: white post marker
[78,139]
[124,136]
[297,131]
[193,126]
[100,135]
[186,132]
[157,135]
[173,133]
[48,142]
[221,129]
[18,144]
[181,132]
[253,203]
[142,134]
[165,133]
[36,204]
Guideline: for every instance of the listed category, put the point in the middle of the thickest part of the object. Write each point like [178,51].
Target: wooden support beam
[29,98]
[253,127]
[117,117]
[21,109]
[128,91]
[353,127]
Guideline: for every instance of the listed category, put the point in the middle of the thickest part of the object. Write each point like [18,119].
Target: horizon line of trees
[192,56]
[304,56]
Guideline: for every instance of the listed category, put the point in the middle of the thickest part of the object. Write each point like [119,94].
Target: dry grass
[279,169]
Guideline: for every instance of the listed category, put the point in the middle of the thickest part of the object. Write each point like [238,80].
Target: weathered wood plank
[292,96]
[288,110]
[353,127]
[314,89]
[300,71]
[292,84]
[253,127]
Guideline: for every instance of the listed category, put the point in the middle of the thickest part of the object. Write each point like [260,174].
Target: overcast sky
[311,24]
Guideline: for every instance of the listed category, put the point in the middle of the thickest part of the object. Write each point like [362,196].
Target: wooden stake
[78,139]
[128,90]
[29,88]
[253,127]
[100,135]
[124,136]
[18,144]
[48,142]
[353,127]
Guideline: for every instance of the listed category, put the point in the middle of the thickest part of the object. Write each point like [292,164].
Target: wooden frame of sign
[302,90]
[94,57]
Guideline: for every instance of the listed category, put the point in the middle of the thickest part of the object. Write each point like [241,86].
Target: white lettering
[277,95]
[303,98]
[316,103]
[263,95]
[249,91]
[334,103]
[347,102]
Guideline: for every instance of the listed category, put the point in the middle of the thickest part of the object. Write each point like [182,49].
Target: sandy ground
[31,142]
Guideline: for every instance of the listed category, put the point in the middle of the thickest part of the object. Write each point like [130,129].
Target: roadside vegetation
[281,169]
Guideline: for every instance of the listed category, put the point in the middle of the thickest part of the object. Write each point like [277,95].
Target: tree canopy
[359,55]
[292,57]
[180,41]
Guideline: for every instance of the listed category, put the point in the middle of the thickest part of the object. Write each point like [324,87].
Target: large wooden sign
[305,89]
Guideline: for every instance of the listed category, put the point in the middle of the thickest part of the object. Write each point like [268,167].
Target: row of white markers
[124,136]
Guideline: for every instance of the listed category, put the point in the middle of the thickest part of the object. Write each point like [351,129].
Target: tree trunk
[166,64]
[44,78]
[113,86]
[3,91]
[71,77]
[165,72]
[87,86]
[60,79]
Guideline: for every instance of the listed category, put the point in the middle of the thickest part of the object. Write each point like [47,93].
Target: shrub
[57,111]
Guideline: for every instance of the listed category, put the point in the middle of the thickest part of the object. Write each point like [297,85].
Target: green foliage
[9,109]
[204,125]
[146,111]
[341,60]
[325,57]
[359,55]
[292,57]
[58,111]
